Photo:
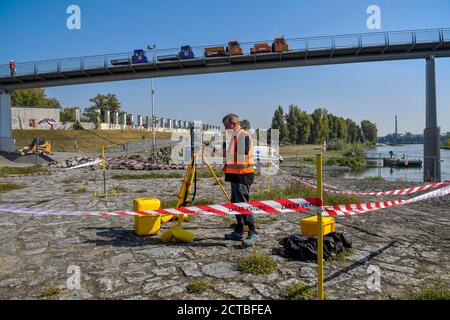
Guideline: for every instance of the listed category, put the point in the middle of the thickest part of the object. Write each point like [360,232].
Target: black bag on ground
[303,248]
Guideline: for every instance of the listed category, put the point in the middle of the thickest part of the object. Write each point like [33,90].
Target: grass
[299,291]
[22,170]
[258,264]
[75,191]
[374,178]
[149,175]
[301,191]
[343,255]
[51,291]
[5,187]
[198,286]
[64,140]
[436,291]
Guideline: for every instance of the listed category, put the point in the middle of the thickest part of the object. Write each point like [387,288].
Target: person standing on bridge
[239,170]
[12,67]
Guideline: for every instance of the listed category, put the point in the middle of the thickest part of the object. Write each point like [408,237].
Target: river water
[411,151]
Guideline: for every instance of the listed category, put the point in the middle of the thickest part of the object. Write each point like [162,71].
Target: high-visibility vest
[12,64]
[237,162]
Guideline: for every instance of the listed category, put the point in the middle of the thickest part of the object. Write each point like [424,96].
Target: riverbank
[408,244]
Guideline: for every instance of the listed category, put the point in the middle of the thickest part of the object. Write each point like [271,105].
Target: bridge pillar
[431,150]
[7,143]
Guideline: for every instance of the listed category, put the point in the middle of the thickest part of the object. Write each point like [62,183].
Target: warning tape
[145,165]
[307,205]
[355,209]
[398,192]
[254,207]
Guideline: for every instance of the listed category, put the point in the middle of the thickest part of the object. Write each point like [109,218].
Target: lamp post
[152,48]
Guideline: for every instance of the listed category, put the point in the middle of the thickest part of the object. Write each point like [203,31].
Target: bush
[337,145]
[258,264]
[437,291]
[198,286]
[299,291]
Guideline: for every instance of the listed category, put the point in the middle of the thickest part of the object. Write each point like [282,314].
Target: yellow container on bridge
[309,226]
[146,225]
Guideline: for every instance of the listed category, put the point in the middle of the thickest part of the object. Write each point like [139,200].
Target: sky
[36,30]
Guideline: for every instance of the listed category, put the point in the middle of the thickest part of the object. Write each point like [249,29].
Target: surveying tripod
[185,197]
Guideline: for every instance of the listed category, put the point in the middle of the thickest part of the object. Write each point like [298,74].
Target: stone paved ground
[409,244]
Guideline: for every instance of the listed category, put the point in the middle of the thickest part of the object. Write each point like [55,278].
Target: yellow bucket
[309,226]
[145,225]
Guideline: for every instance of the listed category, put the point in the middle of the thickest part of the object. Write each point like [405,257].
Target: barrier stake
[268,178]
[105,194]
[320,291]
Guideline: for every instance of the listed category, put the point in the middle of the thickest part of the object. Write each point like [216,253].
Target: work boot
[248,242]
[234,236]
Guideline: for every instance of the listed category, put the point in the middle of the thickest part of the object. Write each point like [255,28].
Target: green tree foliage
[68,114]
[278,122]
[320,127]
[370,131]
[32,98]
[245,124]
[102,102]
[299,127]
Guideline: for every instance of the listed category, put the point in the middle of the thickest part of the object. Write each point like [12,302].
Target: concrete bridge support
[431,150]
[7,142]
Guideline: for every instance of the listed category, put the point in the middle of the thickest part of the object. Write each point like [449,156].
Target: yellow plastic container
[182,235]
[167,236]
[166,218]
[145,225]
[308,226]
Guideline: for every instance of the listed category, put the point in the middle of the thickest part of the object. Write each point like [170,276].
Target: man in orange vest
[239,170]
[12,67]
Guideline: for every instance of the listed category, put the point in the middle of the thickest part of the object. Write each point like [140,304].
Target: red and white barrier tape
[253,207]
[398,192]
[308,205]
[145,165]
[355,209]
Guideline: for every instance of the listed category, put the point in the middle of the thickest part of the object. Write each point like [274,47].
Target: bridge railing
[426,38]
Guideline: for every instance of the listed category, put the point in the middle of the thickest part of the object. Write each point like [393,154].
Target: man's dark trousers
[240,193]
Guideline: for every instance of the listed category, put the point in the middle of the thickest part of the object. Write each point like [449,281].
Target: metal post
[153,122]
[6,140]
[320,290]
[431,150]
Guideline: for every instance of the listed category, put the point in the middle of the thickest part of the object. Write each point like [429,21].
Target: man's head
[231,121]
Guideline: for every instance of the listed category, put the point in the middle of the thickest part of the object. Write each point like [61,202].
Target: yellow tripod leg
[217,179]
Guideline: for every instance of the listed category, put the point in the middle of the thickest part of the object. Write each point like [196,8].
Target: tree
[278,122]
[320,128]
[102,102]
[304,125]
[32,98]
[292,123]
[68,114]
[369,131]
[245,124]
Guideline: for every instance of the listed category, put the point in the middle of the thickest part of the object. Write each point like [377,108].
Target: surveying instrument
[188,189]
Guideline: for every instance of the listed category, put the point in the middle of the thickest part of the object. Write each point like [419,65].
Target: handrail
[59,63]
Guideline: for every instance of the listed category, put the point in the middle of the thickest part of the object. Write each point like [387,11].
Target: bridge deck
[366,47]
